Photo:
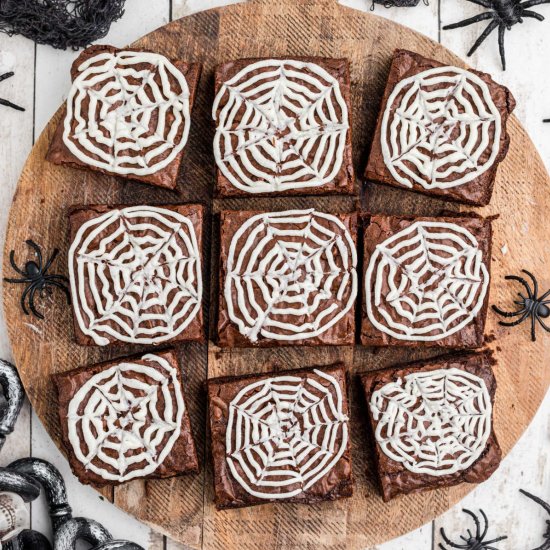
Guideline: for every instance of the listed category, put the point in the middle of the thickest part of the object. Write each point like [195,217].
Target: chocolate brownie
[426,281]
[432,423]
[283,127]
[280,437]
[287,278]
[441,131]
[126,419]
[136,274]
[128,114]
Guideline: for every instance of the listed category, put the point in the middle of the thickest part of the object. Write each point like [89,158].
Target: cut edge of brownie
[339,68]
[227,334]
[479,191]
[240,497]
[372,336]
[402,481]
[59,154]
[183,448]
[196,330]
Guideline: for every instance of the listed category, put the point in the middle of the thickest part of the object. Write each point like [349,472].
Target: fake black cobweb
[62,24]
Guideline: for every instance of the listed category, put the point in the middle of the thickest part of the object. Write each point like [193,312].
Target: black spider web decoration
[62,24]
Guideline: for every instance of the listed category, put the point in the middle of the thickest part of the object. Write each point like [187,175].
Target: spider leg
[448,541]
[495,540]
[533,336]
[531,3]
[63,288]
[50,261]
[508,313]
[469,21]
[544,295]
[57,278]
[484,3]
[514,323]
[490,28]
[14,265]
[535,284]
[476,521]
[18,280]
[501,31]
[533,15]
[31,303]
[481,536]
[522,281]
[24,298]
[5,76]
[36,248]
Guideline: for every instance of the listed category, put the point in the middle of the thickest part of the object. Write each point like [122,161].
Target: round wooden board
[182,507]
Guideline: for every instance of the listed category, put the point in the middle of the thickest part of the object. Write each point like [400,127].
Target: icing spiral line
[135,275]
[128,113]
[290,275]
[426,282]
[436,423]
[285,433]
[124,421]
[281,124]
[440,129]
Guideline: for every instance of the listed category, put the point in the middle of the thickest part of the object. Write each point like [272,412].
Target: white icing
[298,263]
[126,103]
[285,433]
[269,124]
[436,129]
[124,421]
[428,278]
[434,423]
[135,275]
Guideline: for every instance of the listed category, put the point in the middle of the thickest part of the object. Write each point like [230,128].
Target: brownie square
[283,127]
[432,423]
[126,419]
[124,116]
[136,274]
[441,130]
[426,281]
[287,278]
[280,437]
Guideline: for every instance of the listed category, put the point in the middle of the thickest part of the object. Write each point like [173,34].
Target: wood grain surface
[182,507]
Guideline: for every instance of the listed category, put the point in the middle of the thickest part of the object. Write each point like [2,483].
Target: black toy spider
[397,3]
[473,542]
[532,305]
[503,15]
[546,536]
[5,102]
[36,276]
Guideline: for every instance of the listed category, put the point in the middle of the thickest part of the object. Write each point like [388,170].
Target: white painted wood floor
[41,83]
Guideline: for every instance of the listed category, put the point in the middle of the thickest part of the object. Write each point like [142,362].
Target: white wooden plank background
[41,83]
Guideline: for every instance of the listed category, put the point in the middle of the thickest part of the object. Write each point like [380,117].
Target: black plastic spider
[473,542]
[545,545]
[503,15]
[5,102]
[531,306]
[397,3]
[36,276]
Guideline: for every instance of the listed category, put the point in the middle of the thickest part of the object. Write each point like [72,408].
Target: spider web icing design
[124,421]
[426,282]
[281,124]
[135,275]
[286,433]
[290,275]
[436,423]
[127,113]
[441,129]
